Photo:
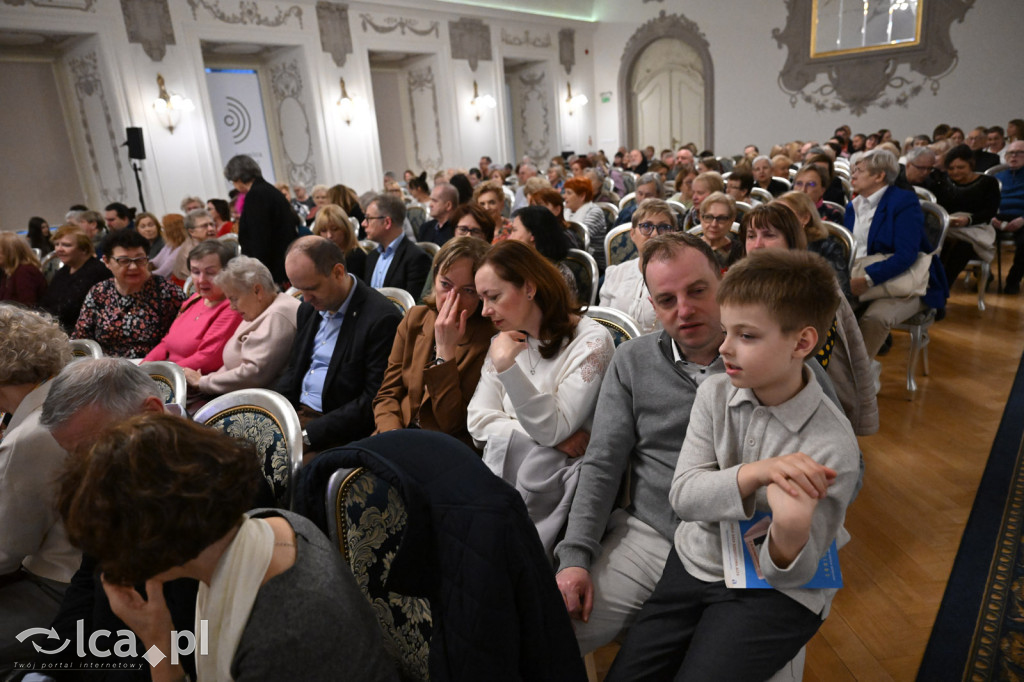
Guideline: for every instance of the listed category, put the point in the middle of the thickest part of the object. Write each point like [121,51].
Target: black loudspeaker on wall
[136,148]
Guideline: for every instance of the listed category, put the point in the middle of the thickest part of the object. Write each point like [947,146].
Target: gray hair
[879,161]
[394,208]
[760,157]
[190,219]
[651,207]
[224,251]
[243,169]
[188,200]
[917,152]
[652,179]
[244,272]
[116,386]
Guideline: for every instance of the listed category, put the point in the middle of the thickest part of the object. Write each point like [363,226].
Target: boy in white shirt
[762,437]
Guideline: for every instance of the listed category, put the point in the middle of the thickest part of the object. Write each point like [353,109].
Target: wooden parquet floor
[922,472]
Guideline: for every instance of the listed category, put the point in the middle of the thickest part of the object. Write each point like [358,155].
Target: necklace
[284,544]
[529,357]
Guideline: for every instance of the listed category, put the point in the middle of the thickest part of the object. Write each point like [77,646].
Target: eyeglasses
[810,184]
[461,231]
[125,261]
[924,168]
[720,219]
[373,217]
[1015,152]
[647,228]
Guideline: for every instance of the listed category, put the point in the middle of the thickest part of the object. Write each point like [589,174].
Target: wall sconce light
[168,107]
[480,101]
[346,105]
[574,102]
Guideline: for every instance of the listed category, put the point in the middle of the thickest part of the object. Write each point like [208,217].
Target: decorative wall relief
[470,39]
[526,39]
[860,78]
[335,35]
[248,13]
[400,23]
[83,5]
[94,114]
[534,114]
[149,24]
[293,122]
[676,27]
[567,48]
[423,109]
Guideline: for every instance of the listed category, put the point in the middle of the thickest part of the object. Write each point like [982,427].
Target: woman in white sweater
[533,408]
[258,351]
[624,287]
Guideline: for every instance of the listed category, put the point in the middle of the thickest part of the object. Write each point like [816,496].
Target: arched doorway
[666,81]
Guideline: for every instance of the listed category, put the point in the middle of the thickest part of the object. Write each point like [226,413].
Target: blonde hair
[804,208]
[82,241]
[15,251]
[335,217]
[453,250]
[35,348]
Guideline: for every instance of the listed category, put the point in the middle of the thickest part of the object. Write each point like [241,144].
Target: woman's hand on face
[192,377]
[150,619]
[505,347]
[450,326]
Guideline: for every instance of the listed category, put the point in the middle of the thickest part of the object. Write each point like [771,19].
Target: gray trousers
[880,316]
[30,602]
[632,558]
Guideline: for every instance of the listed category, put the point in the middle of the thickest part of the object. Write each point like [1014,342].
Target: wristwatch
[437,361]
[305,438]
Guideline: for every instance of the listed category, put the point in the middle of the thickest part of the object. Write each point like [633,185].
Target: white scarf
[226,603]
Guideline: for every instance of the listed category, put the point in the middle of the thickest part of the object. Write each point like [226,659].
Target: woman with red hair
[580,208]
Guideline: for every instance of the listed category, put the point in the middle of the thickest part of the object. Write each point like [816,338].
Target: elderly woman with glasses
[717,214]
[439,349]
[129,314]
[624,287]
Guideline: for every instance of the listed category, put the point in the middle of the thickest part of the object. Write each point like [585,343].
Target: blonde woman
[174,238]
[21,278]
[332,222]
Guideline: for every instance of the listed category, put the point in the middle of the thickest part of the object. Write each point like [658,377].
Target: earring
[529,297]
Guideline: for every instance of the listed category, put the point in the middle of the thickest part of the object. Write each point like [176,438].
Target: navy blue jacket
[898,228]
[471,550]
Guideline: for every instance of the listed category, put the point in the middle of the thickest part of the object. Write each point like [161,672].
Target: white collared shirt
[864,209]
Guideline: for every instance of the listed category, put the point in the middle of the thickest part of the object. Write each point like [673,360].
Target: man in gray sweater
[611,558]
[621,525]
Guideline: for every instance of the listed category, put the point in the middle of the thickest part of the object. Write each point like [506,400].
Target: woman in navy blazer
[887,219]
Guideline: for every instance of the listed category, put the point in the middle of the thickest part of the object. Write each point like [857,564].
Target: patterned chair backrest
[171,380]
[618,247]
[366,520]
[584,270]
[621,326]
[268,421]
[402,299]
[367,245]
[611,214]
[845,237]
[581,232]
[936,223]
[417,215]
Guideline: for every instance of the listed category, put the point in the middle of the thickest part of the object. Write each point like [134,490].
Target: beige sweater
[258,352]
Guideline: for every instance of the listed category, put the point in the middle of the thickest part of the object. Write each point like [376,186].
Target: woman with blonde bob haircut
[819,240]
[262,574]
[21,277]
[332,222]
[439,349]
[538,389]
[717,214]
[36,558]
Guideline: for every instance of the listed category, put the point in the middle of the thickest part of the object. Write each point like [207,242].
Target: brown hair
[804,208]
[797,288]
[159,227]
[664,247]
[581,186]
[482,218]
[82,241]
[174,229]
[15,252]
[489,186]
[778,216]
[452,251]
[518,263]
[141,514]
[336,218]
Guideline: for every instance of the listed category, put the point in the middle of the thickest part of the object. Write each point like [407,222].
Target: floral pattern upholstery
[621,248]
[166,387]
[584,278]
[371,519]
[259,427]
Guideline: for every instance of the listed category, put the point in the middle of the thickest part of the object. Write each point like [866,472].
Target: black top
[67,291]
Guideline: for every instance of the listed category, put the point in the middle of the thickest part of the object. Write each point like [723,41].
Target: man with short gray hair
[526,171]
[396,262]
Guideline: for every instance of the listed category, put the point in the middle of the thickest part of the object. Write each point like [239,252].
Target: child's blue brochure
[741,544]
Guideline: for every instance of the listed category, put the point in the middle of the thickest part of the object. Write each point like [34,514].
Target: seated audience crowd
[754,280]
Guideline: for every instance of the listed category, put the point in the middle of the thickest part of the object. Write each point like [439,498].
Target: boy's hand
[789,472]
[791,523]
